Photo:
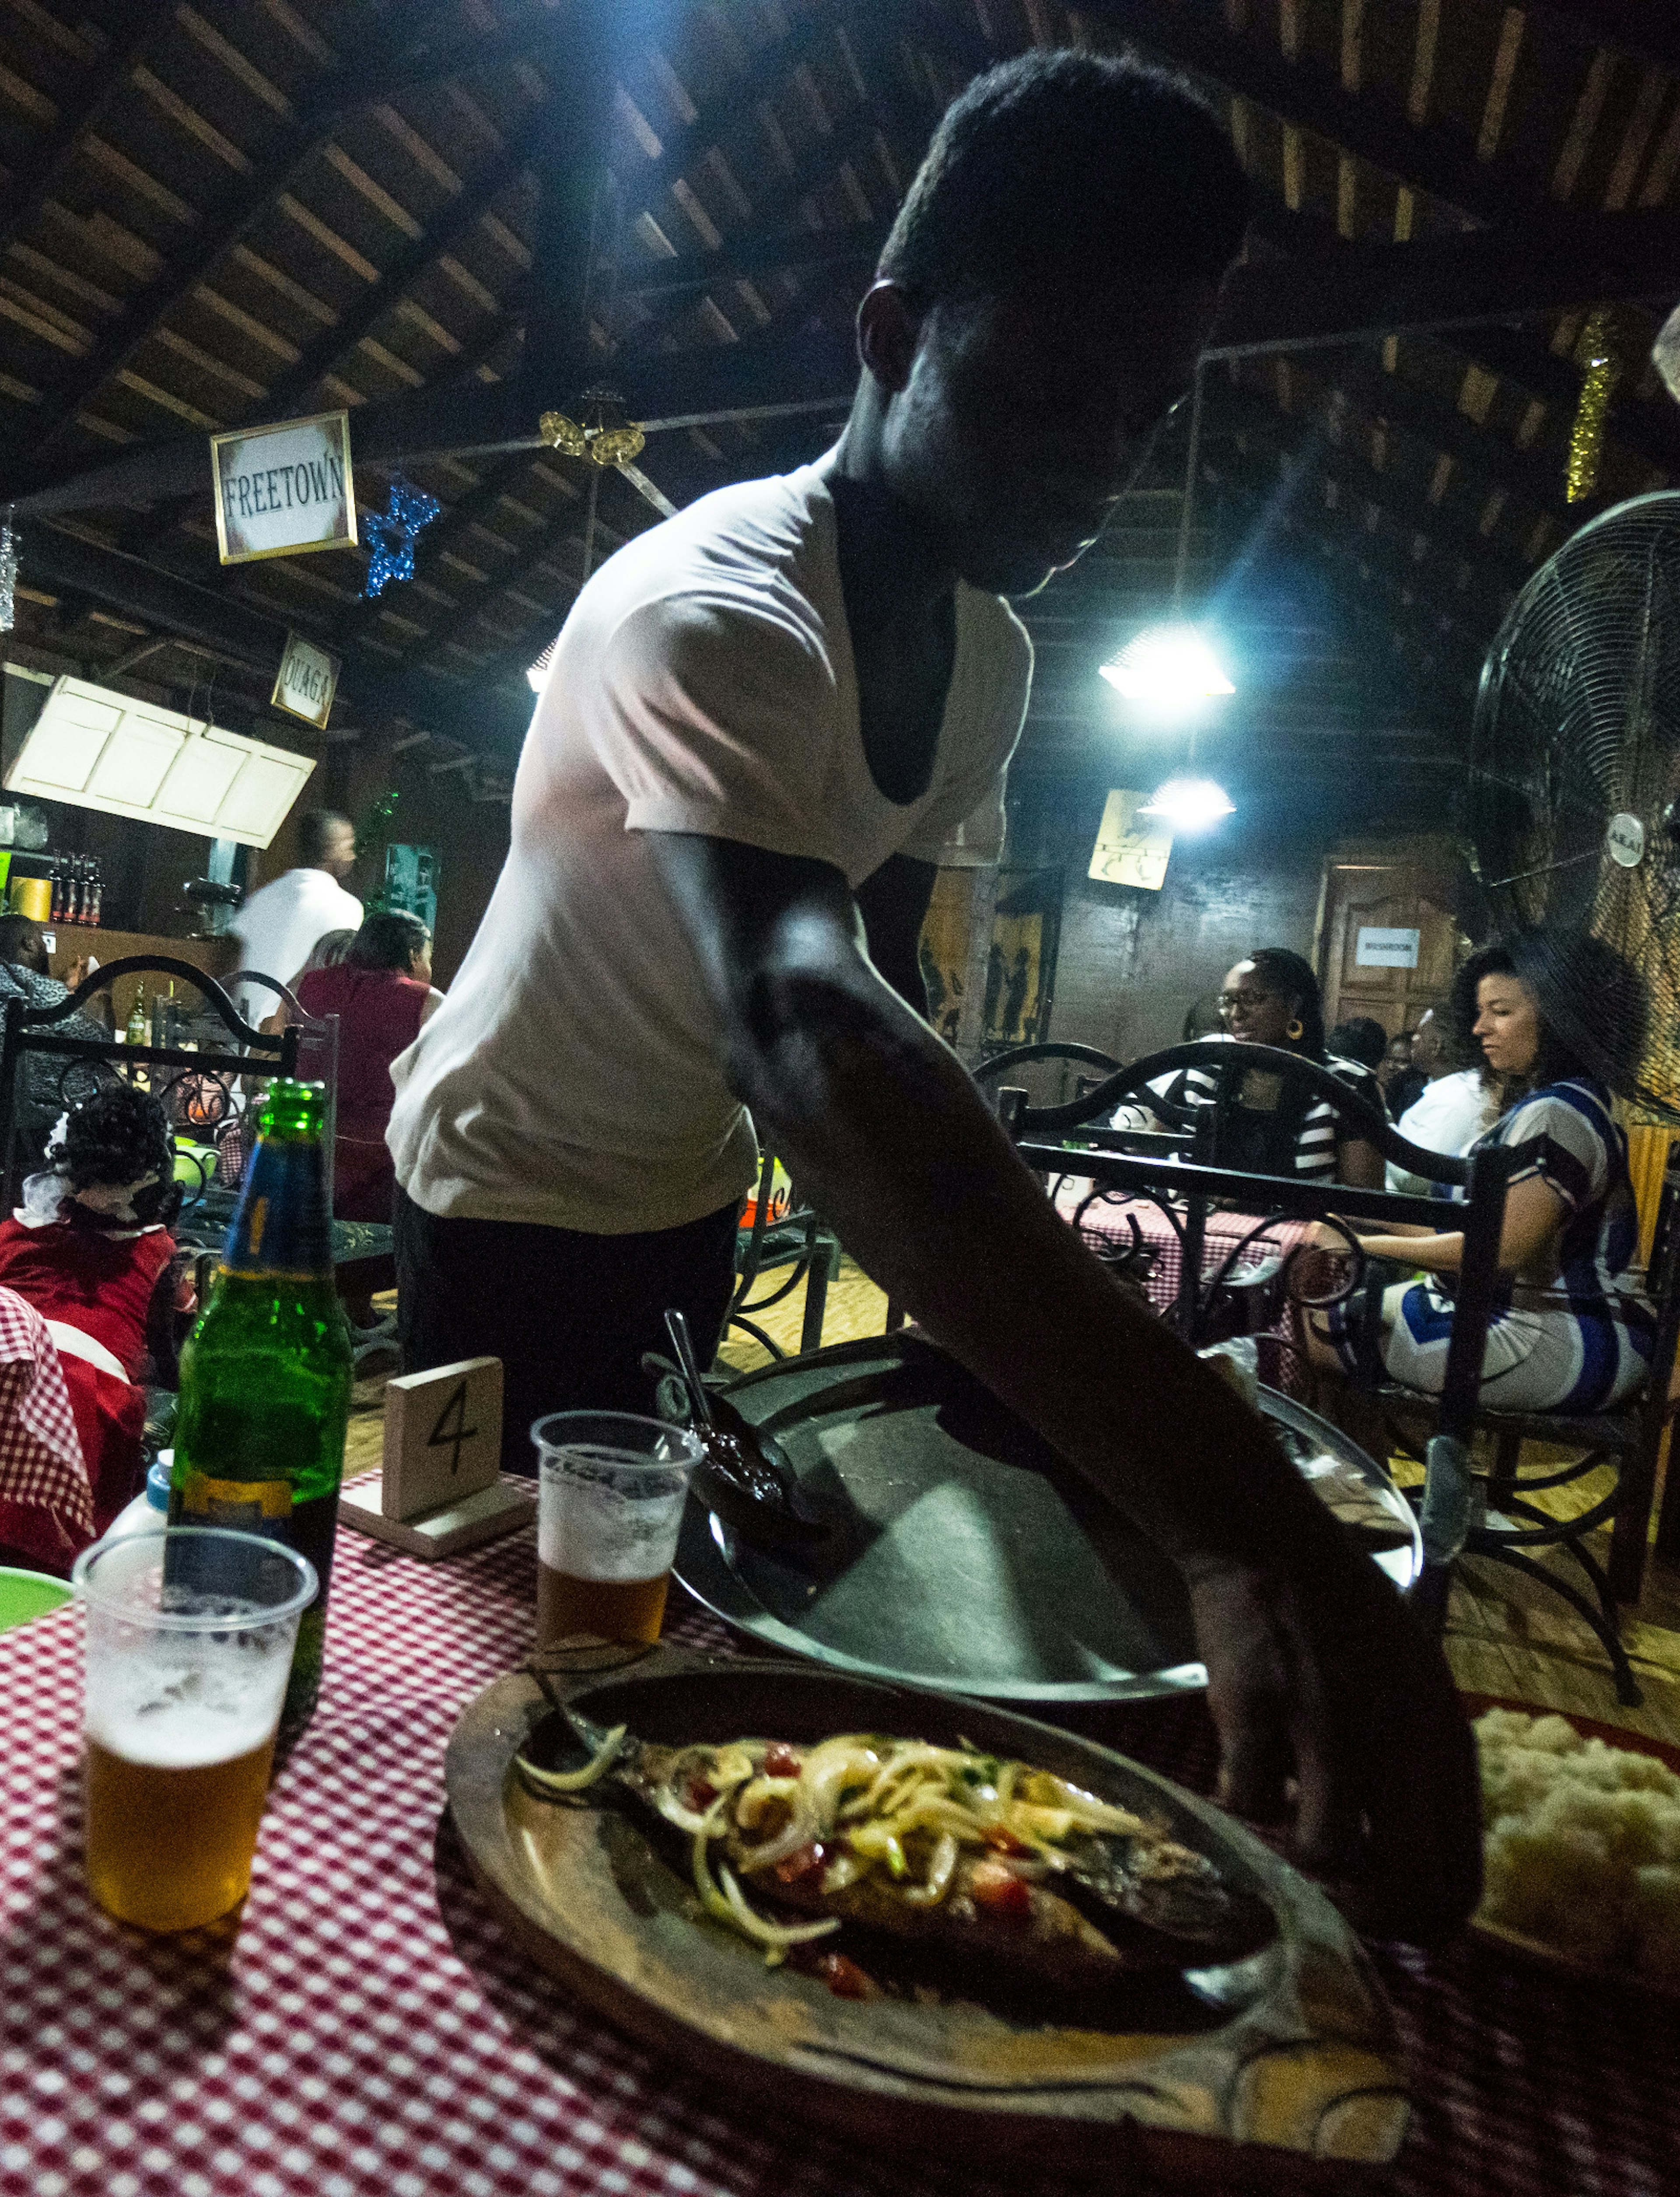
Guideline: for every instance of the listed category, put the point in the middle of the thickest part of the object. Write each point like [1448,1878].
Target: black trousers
[568,1314]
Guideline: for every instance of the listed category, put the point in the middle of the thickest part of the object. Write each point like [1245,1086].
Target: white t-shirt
[1448,1116]
[281,925]
[703,683]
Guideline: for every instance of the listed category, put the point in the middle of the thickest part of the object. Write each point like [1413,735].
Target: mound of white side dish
[1581,1844]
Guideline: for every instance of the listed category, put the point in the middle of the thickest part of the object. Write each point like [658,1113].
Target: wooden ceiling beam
[1395,399]
[1652,431]
[1410,608]
[1494,575]
[776,200]
[1545,264]
[1648,29]
[426,62]
[749,259]
[462,216]
[98,92]
[1428,158]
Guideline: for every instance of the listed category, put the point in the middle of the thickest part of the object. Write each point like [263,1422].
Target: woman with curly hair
[1557,1022]
[91,1249]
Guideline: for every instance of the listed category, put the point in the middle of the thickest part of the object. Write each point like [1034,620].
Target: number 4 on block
[442,1435]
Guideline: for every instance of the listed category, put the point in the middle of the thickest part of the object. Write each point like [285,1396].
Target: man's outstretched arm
[1316,1674]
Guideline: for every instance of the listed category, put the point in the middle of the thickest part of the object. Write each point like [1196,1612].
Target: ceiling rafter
[771,65]
[1258,413]
[1423,156]
[338,344]
[50,158]
[821,163]
[1297,92]
[1329,406]
[278,164]
[747,259]
[1651,431]
[1648,30]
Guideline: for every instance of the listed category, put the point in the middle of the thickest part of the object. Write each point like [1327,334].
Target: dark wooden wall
[1130,963]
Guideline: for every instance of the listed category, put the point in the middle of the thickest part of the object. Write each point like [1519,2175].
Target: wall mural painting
[944,950]
[1020,962]
[1021,967]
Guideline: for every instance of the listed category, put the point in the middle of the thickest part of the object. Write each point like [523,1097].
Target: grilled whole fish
[1004,1866]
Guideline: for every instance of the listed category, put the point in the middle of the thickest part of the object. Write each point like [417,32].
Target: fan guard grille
[1576,725]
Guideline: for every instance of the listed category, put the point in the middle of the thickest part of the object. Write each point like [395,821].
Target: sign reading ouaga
[308,676]
[284,490]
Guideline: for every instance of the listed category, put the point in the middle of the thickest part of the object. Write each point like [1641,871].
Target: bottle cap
[157,1481]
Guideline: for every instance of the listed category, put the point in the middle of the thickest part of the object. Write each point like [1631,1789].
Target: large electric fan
[1575,787]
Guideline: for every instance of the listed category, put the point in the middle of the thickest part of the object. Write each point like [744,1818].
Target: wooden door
[1389,938]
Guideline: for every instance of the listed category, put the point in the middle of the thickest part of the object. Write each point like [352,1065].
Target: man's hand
[1336,1717]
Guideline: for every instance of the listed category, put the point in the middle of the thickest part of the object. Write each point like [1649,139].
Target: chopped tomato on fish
[999,1890]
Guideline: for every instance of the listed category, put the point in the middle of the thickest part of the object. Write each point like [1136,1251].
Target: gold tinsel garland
[1587,435]
[601,444]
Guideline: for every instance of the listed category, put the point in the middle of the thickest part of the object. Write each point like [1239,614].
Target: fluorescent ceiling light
[1189,804]
[97,748]
[1170,667]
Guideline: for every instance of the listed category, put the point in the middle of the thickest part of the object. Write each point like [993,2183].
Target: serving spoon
[740,1476]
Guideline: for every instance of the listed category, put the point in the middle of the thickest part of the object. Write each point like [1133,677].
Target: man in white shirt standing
[280,926]
[764,724]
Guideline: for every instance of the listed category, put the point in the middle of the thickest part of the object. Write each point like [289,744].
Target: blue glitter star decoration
[392,534]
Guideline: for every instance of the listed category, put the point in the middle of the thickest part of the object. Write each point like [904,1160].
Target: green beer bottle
[265,1375]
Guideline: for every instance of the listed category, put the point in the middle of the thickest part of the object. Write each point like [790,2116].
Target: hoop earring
[1297,1029]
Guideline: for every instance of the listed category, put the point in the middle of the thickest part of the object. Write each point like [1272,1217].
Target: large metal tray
[964,1554]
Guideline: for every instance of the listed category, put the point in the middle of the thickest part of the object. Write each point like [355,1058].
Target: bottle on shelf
[266,1373]
[58,879]
[98,896]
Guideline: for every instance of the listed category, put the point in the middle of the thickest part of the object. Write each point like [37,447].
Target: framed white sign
[1381,947]
[1130,849]
[283,490]
[308,679]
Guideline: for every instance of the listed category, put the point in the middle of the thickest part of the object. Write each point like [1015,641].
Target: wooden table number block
[440,1489]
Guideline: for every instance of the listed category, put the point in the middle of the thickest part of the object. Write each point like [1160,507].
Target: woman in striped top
[1572,1333]
[1276,1127]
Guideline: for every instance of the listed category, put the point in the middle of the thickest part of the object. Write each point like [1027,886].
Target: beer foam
[168,1710]
[593,1530]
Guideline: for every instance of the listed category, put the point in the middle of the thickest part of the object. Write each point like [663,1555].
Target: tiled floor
[1505,1635]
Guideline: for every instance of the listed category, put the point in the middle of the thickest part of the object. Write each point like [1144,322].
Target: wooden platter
[1538,1951]
[1279,2071]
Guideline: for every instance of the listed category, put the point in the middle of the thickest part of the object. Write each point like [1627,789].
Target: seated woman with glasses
[1276,1125]
[1571,1333]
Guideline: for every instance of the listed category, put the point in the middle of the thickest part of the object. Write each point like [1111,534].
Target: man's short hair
[317,828]
[1072,171]
[21,943]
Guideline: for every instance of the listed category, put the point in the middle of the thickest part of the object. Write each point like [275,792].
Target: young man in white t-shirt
[283,921]
[764,725]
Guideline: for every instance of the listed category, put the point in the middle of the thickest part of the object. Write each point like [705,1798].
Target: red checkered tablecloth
[365,2032]
[1106,1221]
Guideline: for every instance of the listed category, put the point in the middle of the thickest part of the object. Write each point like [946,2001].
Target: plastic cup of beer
[188,1640]
[610,1496]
